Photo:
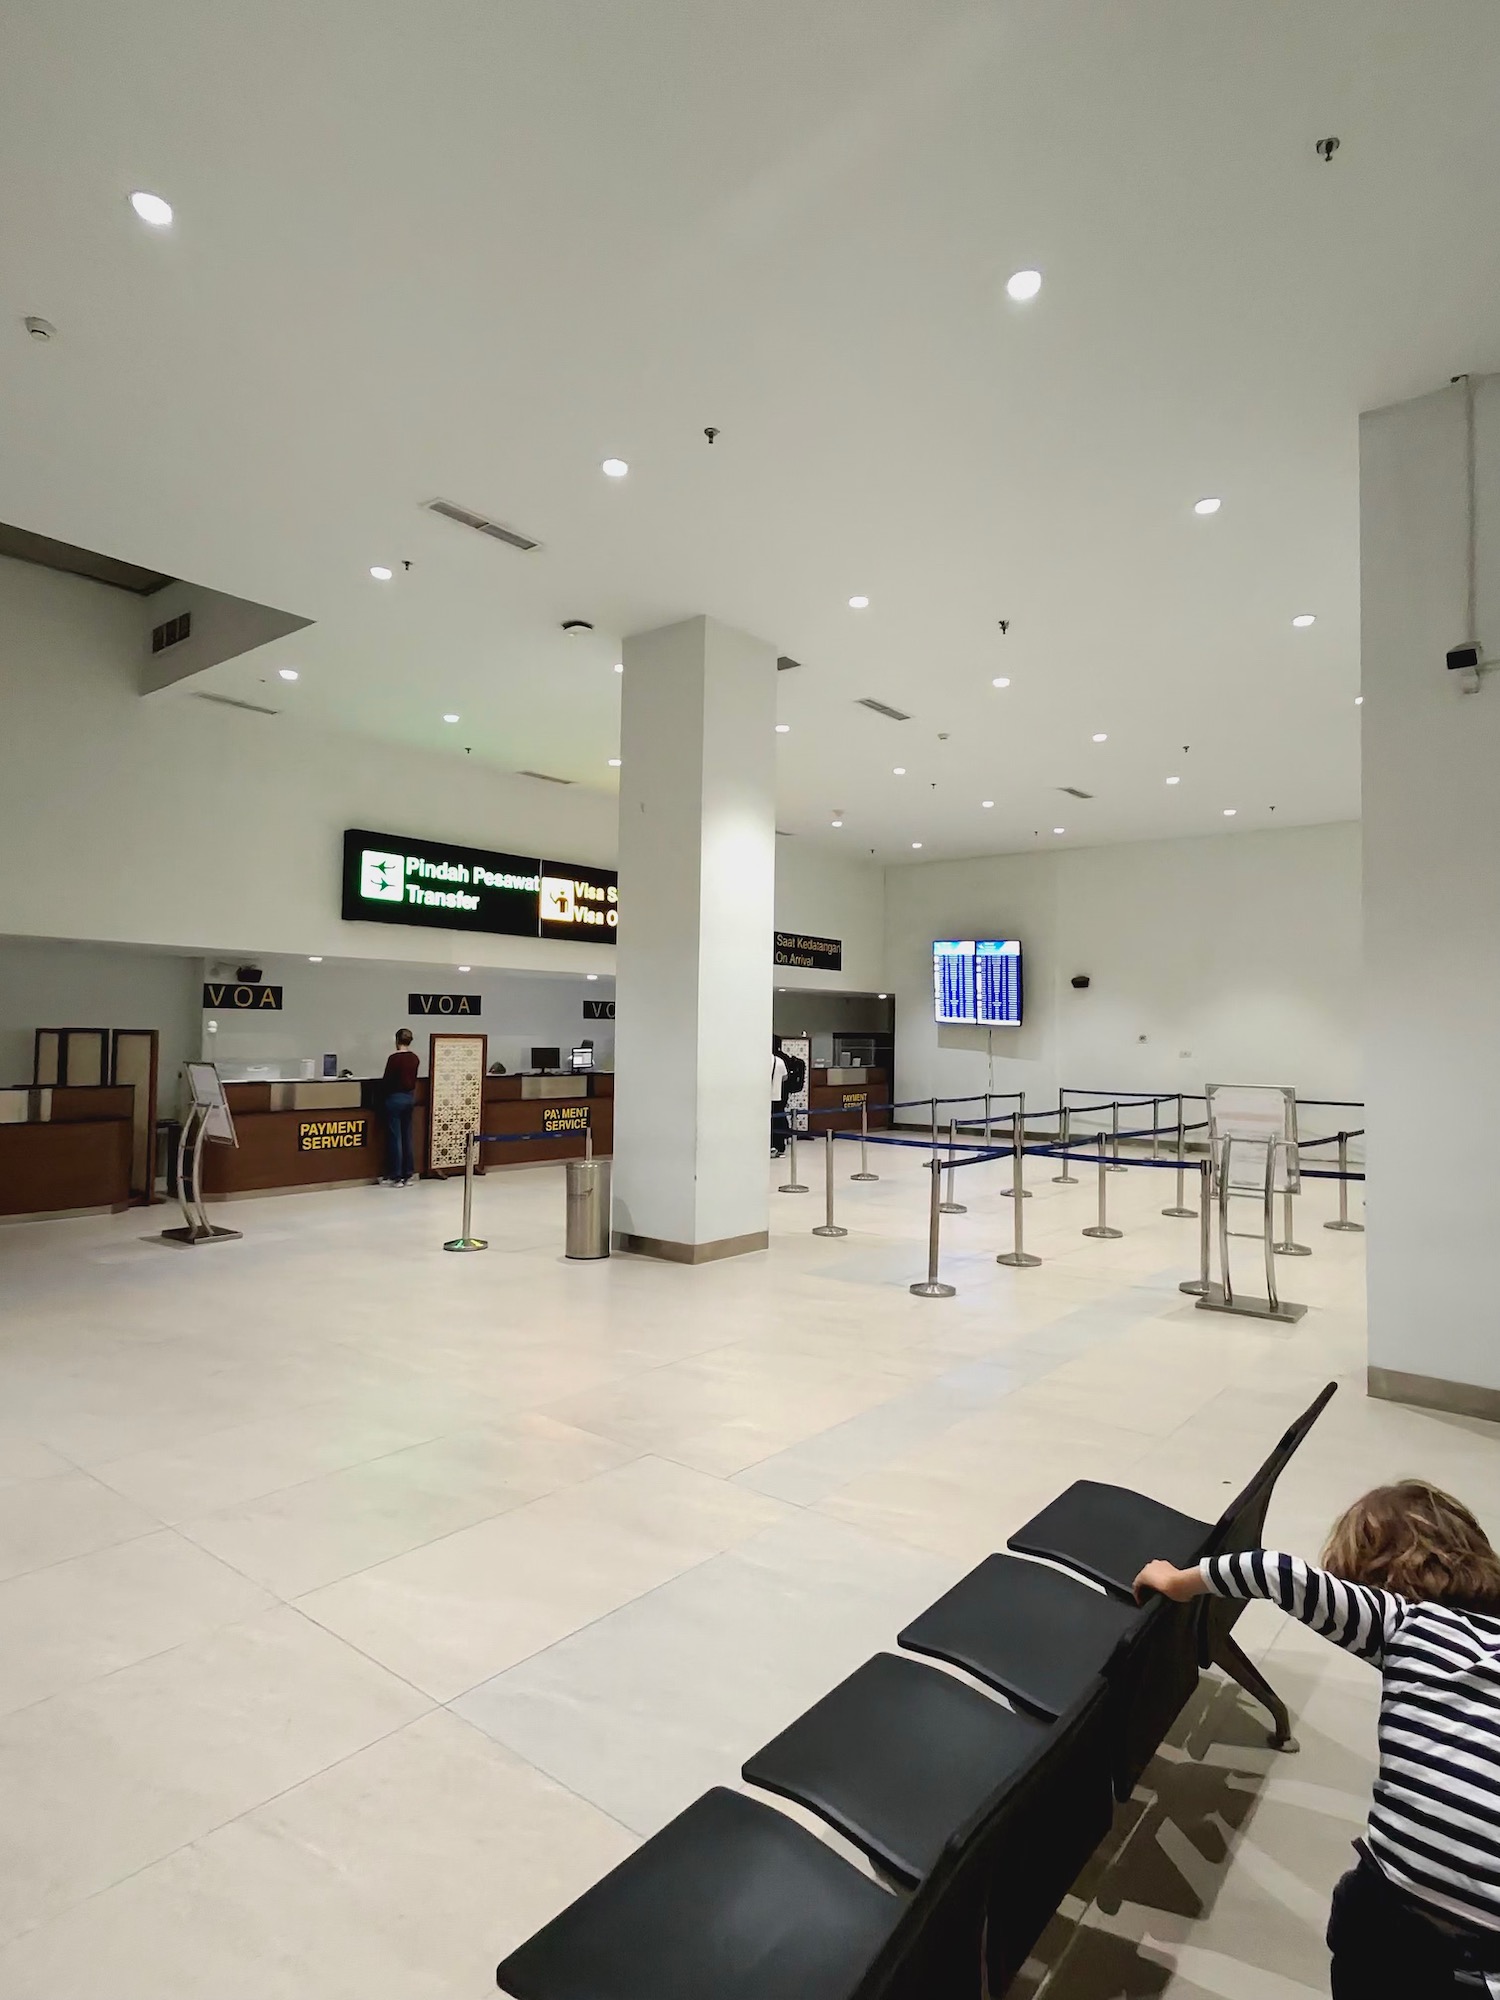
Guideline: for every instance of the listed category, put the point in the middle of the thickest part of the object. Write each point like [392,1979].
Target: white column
[1432,902]
[693,988]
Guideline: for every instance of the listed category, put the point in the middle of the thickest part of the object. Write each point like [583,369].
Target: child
[1411,1584]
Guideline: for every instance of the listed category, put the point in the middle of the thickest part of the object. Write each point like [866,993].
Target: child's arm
[1352,1615]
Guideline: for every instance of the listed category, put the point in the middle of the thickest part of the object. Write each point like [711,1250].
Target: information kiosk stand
[208,1122]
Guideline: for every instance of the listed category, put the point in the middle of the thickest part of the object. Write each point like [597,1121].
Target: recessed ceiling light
[835,822]
[1304,619]
[619,666]
[987,803]
[151,208]
[380,573]
[859,603]
[1100,737]
[287,673]
[450,718]
[1059,829]
[1230,811]
[1023,285]
[614,763]
[898,770]
[882,996]
[614,468]
[783,729]
[916,843]
[1359,701]
[466,968]
[315,961]
[591,975]
[1207,506]
[1174,781]
[1000,681]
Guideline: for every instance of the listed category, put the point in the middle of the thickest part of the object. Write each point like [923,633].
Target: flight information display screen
[976,983]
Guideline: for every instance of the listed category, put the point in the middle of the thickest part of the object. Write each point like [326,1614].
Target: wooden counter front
[47,1168]
[270,1153]
[508,1113]
[836,1106]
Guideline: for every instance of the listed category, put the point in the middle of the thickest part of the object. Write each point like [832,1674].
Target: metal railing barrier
[949,1205]
[1200,1286]
[792,1186]
[1114,1140]
[932,1286]
[1018,1256]
[864,1173]
[466,1239]
[828,1227]
[1349,1228]
[1180,1208]
[1064,1140]
[1101,1227]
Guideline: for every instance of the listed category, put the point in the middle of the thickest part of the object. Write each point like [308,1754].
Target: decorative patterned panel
[455,1069]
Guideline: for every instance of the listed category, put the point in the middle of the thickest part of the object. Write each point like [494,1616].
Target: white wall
[1234,958]
[1432,895]
[169,820]
[48,984]
[831,895]
[352,1010]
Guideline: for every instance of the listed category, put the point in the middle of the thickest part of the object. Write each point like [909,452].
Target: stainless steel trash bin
[588,1208]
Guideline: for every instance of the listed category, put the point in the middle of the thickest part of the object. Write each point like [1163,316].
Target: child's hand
[1181,1585]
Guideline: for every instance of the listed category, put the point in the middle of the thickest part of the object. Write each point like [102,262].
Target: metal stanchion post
[828,1227]
[469,1241]
[1226,1287]
[1114,1139]
[932,1287]
[1198,1287]
[1155,1121]
[1268,1226]
[1180,1209]
[1288,1246]
[1350,1228]
[864,1173]
[1018,1191]
[1101,1227]
[987,1096]
[1017,1256]
[793,1186]
[1065,1140]
[950,1206]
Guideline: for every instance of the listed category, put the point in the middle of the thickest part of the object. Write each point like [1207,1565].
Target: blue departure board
[976,983]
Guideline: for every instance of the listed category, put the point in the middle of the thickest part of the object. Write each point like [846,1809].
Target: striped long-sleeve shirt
[1435,1822]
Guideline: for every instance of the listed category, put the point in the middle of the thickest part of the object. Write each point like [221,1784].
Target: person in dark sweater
[1410,1583]
[400,1082]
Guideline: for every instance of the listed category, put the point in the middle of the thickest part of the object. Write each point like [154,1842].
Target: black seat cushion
[731,1901]
[1036,1635]
[1109,1533]
[897,1757]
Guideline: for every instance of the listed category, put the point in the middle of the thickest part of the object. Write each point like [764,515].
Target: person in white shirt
[778,1100]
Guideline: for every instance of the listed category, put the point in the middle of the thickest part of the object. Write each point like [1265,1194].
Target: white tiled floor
[359,1604]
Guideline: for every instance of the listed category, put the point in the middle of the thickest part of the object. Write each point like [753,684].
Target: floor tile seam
[359,1465]
[600,1618]
[549,1777]
[208,1832]
[41,1569]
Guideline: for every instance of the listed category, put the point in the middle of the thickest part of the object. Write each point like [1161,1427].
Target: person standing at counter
[400,1084]
[779,1075]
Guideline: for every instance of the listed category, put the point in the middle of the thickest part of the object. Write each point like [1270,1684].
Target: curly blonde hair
[1418,1541]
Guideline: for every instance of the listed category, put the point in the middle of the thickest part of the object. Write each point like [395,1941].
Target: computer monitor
[546,1058]
[583,1058]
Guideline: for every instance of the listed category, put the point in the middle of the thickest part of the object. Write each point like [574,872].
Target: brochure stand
[208,1122]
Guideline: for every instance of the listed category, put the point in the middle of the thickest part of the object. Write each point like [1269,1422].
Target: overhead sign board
[443,885]
[815,954]
[261,999]
[443,1003]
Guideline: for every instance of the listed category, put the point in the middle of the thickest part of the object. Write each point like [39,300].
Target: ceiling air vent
[480,523]
[1074,793]
[880,708]
[172,632]
[228,701]
[544,777]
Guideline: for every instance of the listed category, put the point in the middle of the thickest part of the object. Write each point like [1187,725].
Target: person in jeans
[779,1127]
[1410,1583]
[400,1084]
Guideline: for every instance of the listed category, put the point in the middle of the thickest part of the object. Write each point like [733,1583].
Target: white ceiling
[473,247]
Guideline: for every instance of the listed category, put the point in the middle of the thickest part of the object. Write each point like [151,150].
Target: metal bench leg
[1226,1653]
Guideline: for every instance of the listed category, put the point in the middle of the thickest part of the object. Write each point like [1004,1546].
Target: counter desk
[65,1149]
[835,1098]
[331,1132]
